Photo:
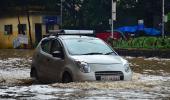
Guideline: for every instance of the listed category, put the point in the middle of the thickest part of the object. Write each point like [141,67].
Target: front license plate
[110,78]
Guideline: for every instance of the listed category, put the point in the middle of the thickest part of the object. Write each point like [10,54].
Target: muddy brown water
[151,80]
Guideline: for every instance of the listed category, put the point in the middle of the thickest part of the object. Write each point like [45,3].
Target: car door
[44,59]
[57,63]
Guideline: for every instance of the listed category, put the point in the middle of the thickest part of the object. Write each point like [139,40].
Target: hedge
[143,42]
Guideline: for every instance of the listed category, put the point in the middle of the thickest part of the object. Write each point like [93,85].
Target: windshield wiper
[109,53]
[93,53]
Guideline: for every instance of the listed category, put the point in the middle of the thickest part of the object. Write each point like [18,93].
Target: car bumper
[93,77]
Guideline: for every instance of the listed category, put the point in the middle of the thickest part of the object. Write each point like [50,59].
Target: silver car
[68,58]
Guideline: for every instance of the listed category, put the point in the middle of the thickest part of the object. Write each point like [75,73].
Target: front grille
[108,73]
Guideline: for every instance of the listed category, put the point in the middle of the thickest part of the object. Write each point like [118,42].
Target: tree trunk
[19,22]
[29,26]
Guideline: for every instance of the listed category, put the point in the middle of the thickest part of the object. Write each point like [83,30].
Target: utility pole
[163,18]
[61,12]
[113,14]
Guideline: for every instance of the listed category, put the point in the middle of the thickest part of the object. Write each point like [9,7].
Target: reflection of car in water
[67,58]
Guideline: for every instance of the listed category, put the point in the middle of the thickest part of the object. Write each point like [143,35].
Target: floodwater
[151,80]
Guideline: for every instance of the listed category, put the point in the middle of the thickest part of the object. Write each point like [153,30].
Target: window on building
[22,28]
[8,29]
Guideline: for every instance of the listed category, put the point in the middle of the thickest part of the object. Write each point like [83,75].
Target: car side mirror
[58,54]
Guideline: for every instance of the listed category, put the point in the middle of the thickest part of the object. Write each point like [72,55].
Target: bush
[143,42]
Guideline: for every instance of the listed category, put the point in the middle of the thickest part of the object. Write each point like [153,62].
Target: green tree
[92,14]
[87,13]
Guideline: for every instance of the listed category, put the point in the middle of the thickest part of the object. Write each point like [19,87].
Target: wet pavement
[151,80]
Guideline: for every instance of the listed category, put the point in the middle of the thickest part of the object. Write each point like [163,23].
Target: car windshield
[88,47]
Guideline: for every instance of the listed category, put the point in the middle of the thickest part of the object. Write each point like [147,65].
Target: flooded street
[151,80]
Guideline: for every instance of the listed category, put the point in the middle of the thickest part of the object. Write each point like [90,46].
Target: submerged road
[151,80]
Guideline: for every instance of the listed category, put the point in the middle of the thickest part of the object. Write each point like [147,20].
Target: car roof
[67,37]
[64,37]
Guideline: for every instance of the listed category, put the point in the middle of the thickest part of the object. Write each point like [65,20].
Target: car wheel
[67,78]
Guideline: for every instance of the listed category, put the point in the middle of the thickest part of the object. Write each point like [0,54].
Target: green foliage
[89,13]
[143,42]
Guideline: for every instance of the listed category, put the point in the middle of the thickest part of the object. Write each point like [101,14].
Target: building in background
[16,27]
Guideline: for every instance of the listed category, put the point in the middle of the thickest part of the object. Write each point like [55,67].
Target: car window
[46,45]
[87,46]
[56,46]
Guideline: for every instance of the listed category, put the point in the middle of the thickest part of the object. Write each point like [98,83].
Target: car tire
[66,78]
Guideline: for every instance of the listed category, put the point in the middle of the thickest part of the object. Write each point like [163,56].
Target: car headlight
[84,67]
[127,68]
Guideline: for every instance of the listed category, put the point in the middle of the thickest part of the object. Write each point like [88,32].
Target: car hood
[104,59]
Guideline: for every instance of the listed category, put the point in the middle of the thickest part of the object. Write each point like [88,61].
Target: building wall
[35,19]
[6,41]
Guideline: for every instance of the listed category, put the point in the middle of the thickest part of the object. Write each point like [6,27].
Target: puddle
[152,87]
[150,66]
[151,80]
